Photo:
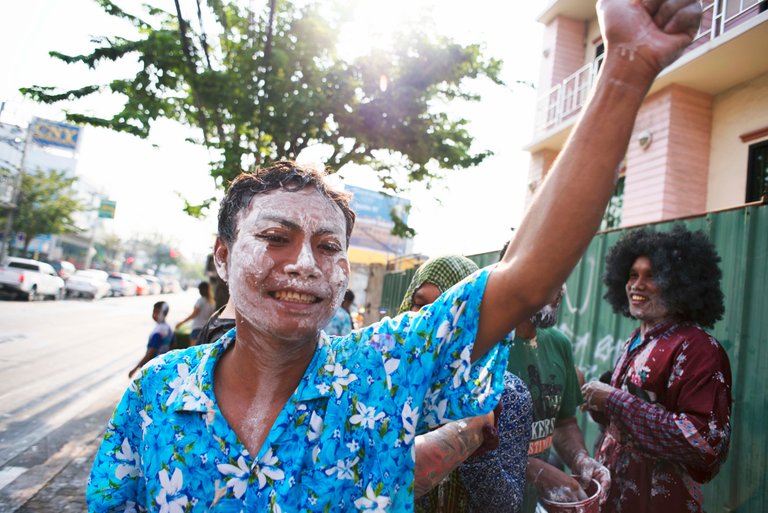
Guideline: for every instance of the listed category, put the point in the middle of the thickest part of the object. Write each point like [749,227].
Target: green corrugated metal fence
[741,239]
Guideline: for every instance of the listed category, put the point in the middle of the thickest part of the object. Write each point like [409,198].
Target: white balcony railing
[566,99]
[722,15]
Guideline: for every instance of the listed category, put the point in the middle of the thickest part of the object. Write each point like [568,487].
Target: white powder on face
[253,272]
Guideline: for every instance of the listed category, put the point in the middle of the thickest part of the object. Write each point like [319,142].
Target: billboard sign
[374,223]
[107,209]
[55,134]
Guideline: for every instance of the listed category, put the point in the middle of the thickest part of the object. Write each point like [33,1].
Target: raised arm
[641,38]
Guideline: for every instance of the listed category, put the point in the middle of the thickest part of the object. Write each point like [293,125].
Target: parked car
[63,268]
[30,279]
[170,285]
[91,283]
[142,287]
[121,284]
[155,287]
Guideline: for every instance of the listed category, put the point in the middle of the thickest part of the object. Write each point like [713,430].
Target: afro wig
[685,267]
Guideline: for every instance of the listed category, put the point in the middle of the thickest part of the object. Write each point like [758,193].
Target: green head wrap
[444,272]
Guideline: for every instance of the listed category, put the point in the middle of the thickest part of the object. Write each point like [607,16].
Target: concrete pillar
[563,51]
[668,157]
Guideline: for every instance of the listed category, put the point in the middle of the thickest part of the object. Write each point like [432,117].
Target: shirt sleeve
[459,388]
[496,480]
[428,354]
[698,434]
[115,478]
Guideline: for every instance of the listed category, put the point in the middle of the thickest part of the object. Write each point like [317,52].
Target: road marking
[9,474]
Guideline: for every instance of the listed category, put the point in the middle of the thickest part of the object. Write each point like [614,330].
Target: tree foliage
[263,86]
[47,204]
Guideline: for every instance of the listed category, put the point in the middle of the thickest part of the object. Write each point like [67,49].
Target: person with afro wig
[668,405]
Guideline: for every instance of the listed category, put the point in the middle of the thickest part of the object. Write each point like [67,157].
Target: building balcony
[728,50]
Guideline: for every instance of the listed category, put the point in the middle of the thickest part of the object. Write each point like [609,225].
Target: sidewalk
[52,473]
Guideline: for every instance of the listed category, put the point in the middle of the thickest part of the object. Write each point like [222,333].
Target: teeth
[637,298]
[296,297]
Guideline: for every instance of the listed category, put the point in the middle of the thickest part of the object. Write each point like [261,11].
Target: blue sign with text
[54,133]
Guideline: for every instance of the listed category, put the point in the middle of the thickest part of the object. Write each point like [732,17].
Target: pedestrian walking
[159,339]
[203,309]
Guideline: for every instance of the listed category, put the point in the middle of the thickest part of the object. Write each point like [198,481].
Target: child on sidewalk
[160,339]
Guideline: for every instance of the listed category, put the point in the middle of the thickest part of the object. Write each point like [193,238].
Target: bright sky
[470,212]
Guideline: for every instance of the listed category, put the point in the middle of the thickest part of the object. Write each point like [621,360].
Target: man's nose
[304,263]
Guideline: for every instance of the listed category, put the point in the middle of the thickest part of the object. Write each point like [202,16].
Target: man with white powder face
[275,416]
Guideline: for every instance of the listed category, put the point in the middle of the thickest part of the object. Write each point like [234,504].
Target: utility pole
[6,245]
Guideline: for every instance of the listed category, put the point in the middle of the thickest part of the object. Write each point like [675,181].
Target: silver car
[90,283]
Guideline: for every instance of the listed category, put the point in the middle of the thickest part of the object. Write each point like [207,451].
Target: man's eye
[273,237]
[330,247]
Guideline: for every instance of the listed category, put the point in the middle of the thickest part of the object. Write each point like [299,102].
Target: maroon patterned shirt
[669,421]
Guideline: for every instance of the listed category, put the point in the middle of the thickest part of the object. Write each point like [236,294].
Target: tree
[263,86]
[46,205]
[109,251]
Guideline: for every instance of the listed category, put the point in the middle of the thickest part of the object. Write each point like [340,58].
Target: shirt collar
[656,331]
[192,389]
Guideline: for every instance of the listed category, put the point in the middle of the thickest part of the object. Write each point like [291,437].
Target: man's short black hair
[684,265]
[286,175]
[349,296]
[160,306]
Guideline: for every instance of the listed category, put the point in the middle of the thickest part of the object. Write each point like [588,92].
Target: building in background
[700,142]
[373,247]
[47,151]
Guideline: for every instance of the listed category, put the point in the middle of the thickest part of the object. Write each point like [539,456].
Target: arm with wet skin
[442,450]
[641,38]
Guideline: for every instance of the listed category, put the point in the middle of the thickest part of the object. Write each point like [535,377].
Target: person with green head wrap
[475,464]
[434,277]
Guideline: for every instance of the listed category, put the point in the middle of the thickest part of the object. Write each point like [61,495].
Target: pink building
[700,142]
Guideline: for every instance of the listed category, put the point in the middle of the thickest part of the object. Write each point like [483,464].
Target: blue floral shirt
[343,442]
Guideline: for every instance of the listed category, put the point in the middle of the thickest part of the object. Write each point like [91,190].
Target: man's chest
[329,451]
[648,371]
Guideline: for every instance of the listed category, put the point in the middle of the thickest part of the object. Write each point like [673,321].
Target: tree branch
[185,48]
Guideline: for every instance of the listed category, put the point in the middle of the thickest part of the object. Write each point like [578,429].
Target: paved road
[63,367]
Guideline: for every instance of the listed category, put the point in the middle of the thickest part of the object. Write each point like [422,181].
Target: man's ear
[221,258]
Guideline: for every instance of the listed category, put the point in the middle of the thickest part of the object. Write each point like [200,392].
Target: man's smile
[295,297]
